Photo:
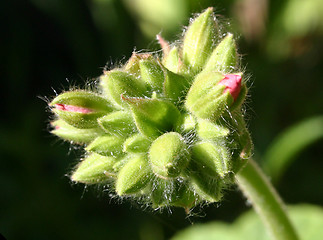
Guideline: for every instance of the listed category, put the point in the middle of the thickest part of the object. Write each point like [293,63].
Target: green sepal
[212,158]
[118,123]
[152,73]
[136,143]
[172,192]
[73,134]
[172,60]
[116,84]
[207,130]
[92,105]
[224,57]
[94,169]
[199,40]
[168,155]
[106,145]
[208,188]
[134,175]
[188,123]
[206,98]
[153,116]
[132,66]
[175,87]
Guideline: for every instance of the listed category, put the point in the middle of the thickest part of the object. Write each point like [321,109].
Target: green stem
[267,203]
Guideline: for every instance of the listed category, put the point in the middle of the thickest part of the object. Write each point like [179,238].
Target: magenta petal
[232,82]
[71,108]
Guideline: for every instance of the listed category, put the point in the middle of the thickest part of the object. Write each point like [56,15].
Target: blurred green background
[46,46]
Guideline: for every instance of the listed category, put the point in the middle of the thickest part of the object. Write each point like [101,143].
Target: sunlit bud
[152,73]
[116,83]
[134,175]
[118,123]
[80,109]
[153,116]
[224,57]
[199,40]
[168,155]
[106,145]
[136,144]
[94,168]
[73,134]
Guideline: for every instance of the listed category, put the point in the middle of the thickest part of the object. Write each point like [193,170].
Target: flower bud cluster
[167,129]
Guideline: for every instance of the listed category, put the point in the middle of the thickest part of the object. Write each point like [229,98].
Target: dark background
[51,45]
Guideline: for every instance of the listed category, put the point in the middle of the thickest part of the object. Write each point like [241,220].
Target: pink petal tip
[232,83]
[71,108]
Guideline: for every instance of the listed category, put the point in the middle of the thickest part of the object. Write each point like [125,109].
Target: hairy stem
[267,203]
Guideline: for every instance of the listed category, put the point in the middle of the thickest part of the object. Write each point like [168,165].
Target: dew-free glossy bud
[118,123]
[117,83]
[168,155]
[153,116]
[73,134]
[80,109]
[106,145]
[211,93]
[94,168]
[136,144]
[152,73]
[212,158]
[224,57]
[134,175]
[199,40]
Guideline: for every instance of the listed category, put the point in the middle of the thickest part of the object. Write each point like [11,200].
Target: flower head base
[165,129]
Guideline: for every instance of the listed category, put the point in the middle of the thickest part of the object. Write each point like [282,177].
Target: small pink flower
[232,83]
[71,108]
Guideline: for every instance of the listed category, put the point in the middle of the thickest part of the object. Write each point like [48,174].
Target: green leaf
[289,144]
[307,219]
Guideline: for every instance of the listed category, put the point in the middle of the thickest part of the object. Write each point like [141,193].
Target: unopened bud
[168,155]
[94,168]
[199,40]
[134,175]
[80,109]
[106,145]
[117,83]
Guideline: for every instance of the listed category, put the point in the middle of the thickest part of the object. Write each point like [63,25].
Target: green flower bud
[212,93]
[153,116]
[207,130]
[207,187]
[152,73]
[73,134]
[118,123]
[168,155]
[134,176]
[94,168]
[172,60]
[188,123]
[106,145]
[175,87]
[224,57]
[80,109]
[199,40]
[212,158]
[168,132]
[136,144]
[175,192]
[132,66]
[117,83]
